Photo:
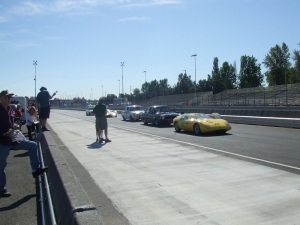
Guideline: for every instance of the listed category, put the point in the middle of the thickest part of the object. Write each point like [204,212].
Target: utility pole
[122,64]
[119,89]
[195,56]
[35,64]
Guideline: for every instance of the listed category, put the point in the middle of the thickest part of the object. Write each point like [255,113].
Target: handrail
[45,191]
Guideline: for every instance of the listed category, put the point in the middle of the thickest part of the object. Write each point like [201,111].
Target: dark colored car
[158,115]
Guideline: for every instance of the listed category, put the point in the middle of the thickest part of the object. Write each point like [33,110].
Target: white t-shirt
[29,119]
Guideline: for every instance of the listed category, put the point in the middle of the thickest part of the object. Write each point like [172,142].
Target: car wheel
[197,129]
[145,122]
[156,123]
[131,119]
[123,118]
[177,129]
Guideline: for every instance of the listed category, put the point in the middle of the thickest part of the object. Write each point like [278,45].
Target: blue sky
[79,44]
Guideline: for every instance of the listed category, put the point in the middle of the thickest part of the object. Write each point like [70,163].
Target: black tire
[177,128]
[197,129]
[131,119]
[124,118]
[145,122]
[156,123]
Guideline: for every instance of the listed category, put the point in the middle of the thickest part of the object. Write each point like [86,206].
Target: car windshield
[163,109]
[200,116]
[135,108]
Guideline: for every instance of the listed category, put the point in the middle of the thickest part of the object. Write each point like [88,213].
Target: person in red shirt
[18,112]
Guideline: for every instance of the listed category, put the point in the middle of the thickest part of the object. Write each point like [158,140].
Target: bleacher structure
[286,95]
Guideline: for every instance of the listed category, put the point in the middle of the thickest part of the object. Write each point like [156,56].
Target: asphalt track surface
[272,146]
[156,176]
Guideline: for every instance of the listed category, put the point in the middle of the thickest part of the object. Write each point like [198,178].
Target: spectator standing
[7,128]
[101,120]
[31,118]
[18,115]
[43,100]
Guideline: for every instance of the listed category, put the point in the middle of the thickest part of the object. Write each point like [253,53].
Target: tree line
[280,71]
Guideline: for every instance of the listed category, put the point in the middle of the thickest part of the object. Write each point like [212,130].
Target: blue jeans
[31,146]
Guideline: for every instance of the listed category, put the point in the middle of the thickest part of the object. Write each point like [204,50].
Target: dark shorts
[101,123]
[44,113]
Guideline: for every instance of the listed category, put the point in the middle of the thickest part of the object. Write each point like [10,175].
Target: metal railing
[45,200]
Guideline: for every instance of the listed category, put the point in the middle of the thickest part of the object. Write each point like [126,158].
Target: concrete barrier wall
[264,121]
[265,112]
[72,205]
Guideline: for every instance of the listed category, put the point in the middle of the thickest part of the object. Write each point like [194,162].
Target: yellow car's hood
[214,123]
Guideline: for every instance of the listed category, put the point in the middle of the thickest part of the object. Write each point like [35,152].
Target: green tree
[216,77]
[295,73]
[163,87]
[145,88]
[184,84]
[278,64]
[205,85]
[227,76]
[250,72]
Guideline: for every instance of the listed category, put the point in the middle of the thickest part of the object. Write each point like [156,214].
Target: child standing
[31,118]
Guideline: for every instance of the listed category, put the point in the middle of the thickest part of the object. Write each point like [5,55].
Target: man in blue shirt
[43,99]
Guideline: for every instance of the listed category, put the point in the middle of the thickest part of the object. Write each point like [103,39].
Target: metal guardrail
[46,205]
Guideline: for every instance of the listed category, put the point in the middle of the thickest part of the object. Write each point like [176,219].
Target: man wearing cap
[7,126]
[43,99]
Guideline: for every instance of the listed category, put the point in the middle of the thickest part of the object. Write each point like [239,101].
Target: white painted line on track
[211,149]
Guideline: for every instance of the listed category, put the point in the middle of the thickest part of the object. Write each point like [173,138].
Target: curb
[71,203]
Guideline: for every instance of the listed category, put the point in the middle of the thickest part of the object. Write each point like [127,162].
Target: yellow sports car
[200,123]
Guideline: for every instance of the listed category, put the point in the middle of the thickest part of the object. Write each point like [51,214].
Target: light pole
[119,88]
[122,64]
[145,86]
[195,56]
[286,98]
[35,64]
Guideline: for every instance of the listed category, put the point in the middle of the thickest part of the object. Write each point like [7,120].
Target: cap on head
[43,88]
[6,93]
